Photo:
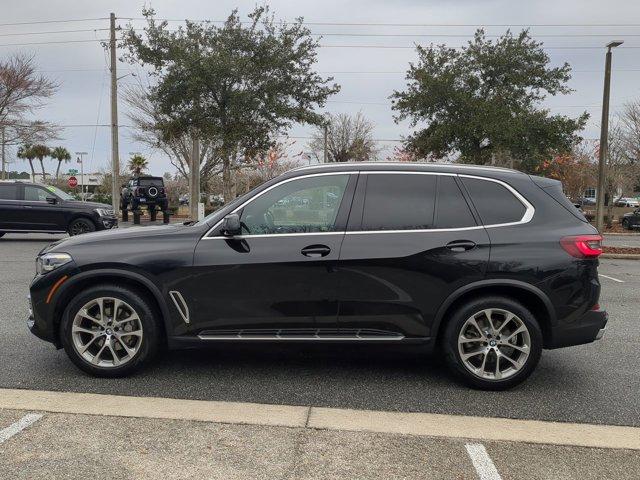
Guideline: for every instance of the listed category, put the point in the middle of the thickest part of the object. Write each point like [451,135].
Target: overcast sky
[367,75]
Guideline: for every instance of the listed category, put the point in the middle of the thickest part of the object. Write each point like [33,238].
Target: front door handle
[460,245]
[315,251]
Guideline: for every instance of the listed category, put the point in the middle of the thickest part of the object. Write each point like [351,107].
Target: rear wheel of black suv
[492,343]
[109,331]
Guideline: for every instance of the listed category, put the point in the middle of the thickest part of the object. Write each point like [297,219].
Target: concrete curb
[621,256]
[421,424]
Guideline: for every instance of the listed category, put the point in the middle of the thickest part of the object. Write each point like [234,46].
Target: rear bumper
[588,328]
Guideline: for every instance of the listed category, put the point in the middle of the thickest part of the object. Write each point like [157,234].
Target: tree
[41,151]
[60,154]
[22,92]
[484,100]
[239,83]
[137,164]
[25,152]
[576,170]
[348,139]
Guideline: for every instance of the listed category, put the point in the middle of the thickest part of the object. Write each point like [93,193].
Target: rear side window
[399,202]
[452,210]
[8,192]
[495,203]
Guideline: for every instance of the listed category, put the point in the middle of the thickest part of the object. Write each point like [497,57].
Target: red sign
[73,182]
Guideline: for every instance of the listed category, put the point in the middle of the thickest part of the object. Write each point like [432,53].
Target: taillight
[583,246]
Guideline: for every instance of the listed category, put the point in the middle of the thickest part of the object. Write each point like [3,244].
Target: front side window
[399,202]
[305,205]
[8,192]
[495,203]
[35,194]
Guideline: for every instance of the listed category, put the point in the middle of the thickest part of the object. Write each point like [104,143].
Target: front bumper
[586,329]
[108,222]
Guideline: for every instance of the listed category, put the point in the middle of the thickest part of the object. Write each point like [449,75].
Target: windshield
[62,194]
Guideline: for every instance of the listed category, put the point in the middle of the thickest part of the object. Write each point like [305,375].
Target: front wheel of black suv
[492,343]
[626,225]
[80,226]
[109,331]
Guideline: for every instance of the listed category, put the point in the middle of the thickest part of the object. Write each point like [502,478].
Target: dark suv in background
[144,191]
[31,207]
[484,266]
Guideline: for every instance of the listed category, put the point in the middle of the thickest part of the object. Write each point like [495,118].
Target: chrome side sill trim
[180,304]
[280,338]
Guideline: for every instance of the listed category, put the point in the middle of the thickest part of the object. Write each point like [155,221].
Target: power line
[52,43]
[40,22]
[51,32]
[457,48]
[374,24]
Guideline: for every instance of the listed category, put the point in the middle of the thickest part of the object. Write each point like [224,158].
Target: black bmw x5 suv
[488,266]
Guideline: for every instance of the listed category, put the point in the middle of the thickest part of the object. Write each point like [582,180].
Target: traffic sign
[73,182]
[72,171]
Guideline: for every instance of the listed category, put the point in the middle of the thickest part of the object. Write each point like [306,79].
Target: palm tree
[40,151]
[137,164]
[60,154]
[25,152]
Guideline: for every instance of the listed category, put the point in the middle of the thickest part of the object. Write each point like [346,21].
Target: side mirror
[52,200]
[231,225]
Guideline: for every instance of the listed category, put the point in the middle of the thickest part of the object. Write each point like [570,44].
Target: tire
[524,359]
[626,225]
[142,352]
[80,226]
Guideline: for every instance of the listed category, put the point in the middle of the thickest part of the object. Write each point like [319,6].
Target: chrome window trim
[481,168]
[286,180]
[526,218]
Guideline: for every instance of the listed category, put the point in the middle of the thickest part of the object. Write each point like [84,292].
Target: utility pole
[194,183]
[604,136]
[115,161]
[326,135]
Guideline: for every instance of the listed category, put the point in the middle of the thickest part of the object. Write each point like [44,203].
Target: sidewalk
[113,446]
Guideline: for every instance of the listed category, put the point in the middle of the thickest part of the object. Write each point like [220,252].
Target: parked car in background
[484,266]
[32,207]
[631,220]
[627,202]
[144,191]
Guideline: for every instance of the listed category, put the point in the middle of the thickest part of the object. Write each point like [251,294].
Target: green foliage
[137,164]
[60,154]
[41,151]
[239,83]
[484,100]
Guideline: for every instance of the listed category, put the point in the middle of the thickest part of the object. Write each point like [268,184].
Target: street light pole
[81,162]
[604,136]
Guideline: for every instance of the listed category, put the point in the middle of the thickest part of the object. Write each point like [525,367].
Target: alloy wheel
[78,228]
[107,332]
[494,344]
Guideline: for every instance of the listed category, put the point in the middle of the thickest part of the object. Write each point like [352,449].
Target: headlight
[104,212]
[50,261]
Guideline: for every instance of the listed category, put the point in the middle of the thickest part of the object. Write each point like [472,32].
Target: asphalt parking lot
[591,384]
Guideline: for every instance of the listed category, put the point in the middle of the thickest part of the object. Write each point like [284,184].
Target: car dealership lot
[594,384]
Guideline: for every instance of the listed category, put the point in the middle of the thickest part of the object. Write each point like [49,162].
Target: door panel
[265,283]
[38,214]
[412,240]
[397,281]
[10,206]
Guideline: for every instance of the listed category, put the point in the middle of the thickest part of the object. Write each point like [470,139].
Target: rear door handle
[315,251]
[460,245]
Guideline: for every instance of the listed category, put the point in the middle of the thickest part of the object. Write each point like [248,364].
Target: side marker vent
[180,304]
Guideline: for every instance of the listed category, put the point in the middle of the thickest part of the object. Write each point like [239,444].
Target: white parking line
[482,462]
[17,427]
[611,278]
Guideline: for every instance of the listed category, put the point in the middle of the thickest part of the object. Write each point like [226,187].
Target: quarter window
[399,202]
[35,194]
[306,205]
[495,203]
[8,192]
[452,210]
